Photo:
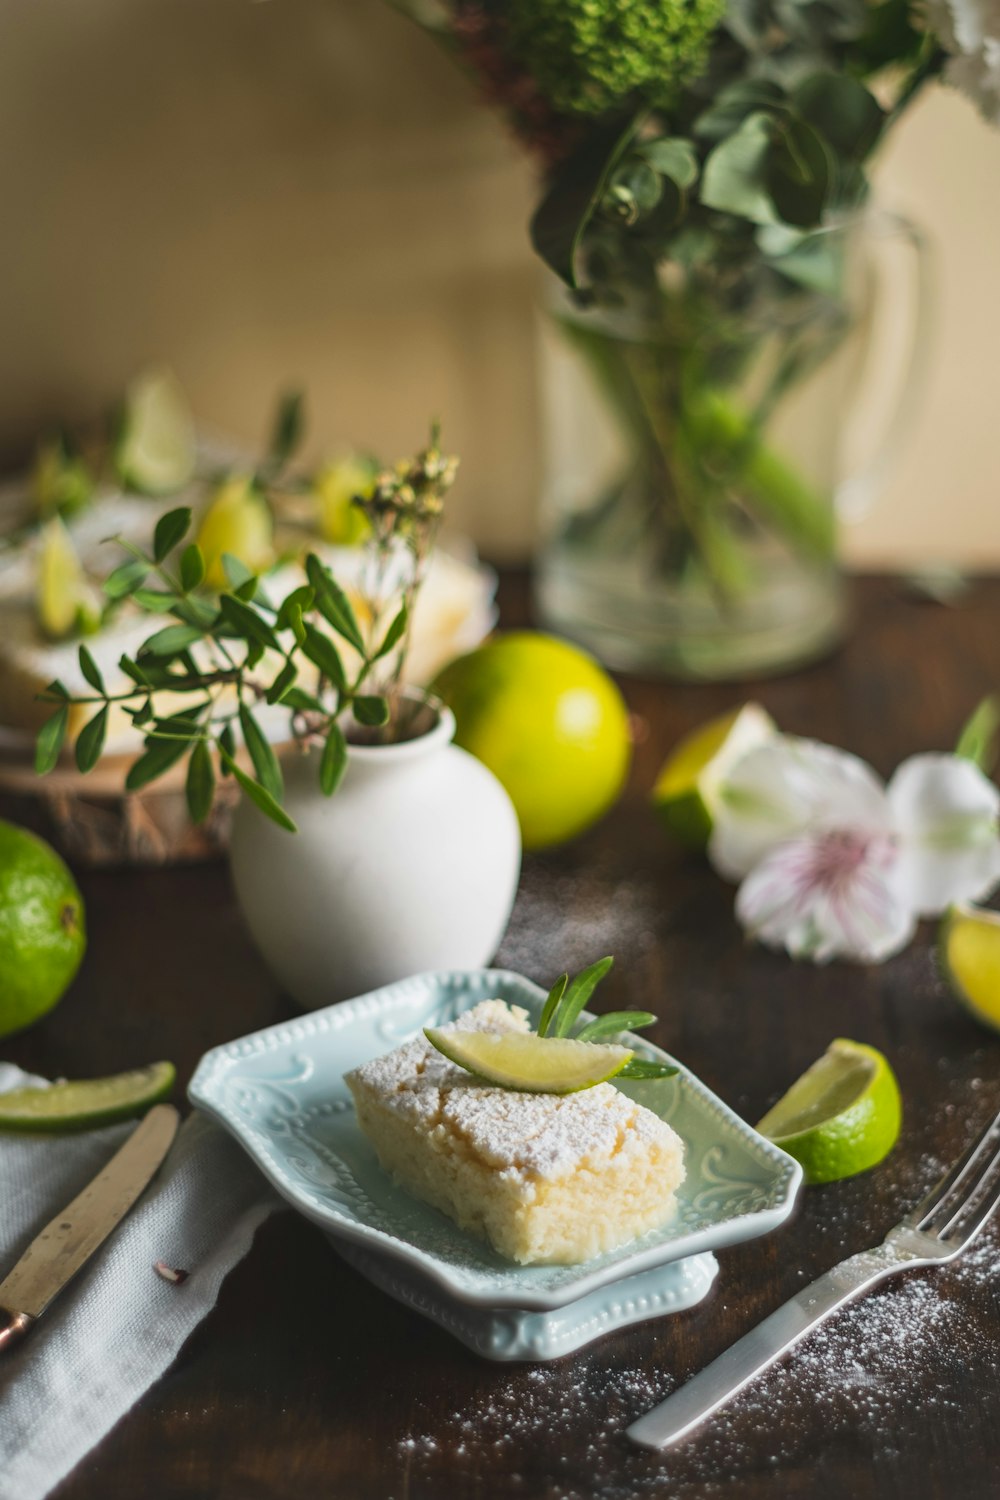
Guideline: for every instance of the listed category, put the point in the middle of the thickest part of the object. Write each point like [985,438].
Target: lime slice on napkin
[77,1105]
[534,1064]
[842,1116]
[687,786]
[155,453]
[969,950]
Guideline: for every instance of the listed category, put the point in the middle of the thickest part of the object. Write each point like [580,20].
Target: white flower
[835,865]
[970,31]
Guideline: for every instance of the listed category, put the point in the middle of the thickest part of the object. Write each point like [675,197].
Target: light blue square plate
[281,1092]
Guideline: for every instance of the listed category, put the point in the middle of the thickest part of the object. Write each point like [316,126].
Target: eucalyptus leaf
[50,740]
[842,110]
[265,762]
[333,762]
[170,529]
[199,787]
[799,174]
[732,105]
[575,192]
[675,157]
[735,176]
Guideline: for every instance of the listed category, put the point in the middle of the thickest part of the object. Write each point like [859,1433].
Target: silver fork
[938,1230]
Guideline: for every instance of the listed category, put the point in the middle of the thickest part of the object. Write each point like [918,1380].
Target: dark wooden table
[306,1382]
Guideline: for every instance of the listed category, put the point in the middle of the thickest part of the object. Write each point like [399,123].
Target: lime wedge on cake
[155,453]
[533,1064]
[841,1117]
[86,1102]
[969,951]
[687,787]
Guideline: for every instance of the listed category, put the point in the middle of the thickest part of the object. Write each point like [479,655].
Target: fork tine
[943,1195]
[964,1230]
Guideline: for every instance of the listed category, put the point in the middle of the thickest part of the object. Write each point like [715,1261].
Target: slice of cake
[545,1178]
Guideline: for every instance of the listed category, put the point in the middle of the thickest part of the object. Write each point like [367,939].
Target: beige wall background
[304,191]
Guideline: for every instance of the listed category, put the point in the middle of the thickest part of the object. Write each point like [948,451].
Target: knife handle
[13,1327]
[757,1350]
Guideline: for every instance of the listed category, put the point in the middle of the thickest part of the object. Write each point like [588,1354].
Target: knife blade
[70,1239]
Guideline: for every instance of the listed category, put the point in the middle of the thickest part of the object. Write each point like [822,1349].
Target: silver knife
[67,1243]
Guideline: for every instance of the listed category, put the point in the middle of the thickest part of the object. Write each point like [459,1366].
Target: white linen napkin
[118,1326]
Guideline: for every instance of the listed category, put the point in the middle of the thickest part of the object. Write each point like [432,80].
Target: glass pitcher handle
[858,490]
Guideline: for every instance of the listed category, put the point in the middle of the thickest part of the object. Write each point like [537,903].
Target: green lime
[969,951]
[156,449]
[549,723]
[66,601]
[334,486]
[687,788]
[42,929]
[238,522]
[80,1104]
[842,1116]
[534,1064]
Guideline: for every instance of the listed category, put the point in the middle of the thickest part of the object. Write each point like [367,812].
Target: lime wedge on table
[535,1064]
[155,453]
[687,787]
[66,601]
[842,1116]
[969,950]
[77,1105]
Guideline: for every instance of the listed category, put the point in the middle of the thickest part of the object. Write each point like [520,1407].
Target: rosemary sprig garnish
[567,998]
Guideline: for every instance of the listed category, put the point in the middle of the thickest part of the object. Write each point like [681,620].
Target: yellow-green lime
[549,723]
[687,788]
[334,486]
[842,1116]
[969,951]
[42,928]
[66,601]
[156,449]
[533,1064]
[85,1102]
[238,522]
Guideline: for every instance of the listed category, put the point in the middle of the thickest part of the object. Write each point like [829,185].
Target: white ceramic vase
[411,865]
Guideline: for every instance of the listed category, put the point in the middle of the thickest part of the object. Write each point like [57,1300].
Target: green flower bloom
[588,56]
